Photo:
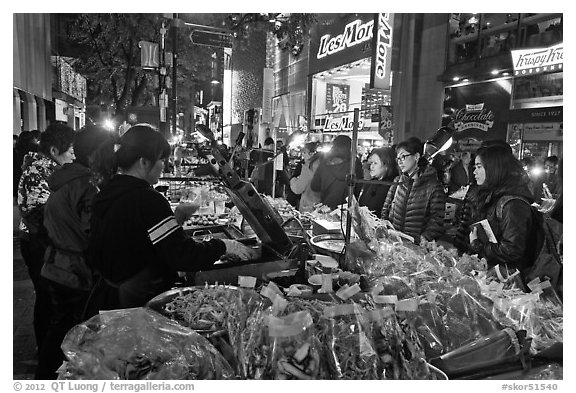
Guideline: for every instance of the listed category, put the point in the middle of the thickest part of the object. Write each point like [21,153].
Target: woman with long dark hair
[382,166]
[137,243]
[417,206]
[500,175]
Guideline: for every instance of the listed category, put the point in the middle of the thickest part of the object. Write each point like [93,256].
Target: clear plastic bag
[295,352]
[247,333]
[139,344]
[401,356]
[351,354]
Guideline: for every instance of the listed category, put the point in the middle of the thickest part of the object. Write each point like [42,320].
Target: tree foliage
[110,58]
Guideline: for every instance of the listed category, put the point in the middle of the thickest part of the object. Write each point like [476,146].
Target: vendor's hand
[184,211]
[473,234]
[240,250]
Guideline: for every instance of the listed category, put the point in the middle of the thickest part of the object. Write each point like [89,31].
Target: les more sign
[538,60]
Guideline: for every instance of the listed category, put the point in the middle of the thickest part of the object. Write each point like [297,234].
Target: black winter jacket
[137,246]
[417,207]
[517,238]
[373,196]
[330,180]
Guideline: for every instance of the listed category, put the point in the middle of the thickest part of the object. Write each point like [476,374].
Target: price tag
[407,305]
[385,299]
[347,292]
[246,281]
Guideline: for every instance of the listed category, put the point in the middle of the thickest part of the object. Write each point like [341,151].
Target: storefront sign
[344,123]
[354,33]
[530,115]
[381,51]
[473,116]
[344,39]
[337,97]
[538,60]
[479,110]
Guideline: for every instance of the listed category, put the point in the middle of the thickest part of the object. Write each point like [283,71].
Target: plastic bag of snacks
[398,347]
[294,347]
[139,344]
[247,332]
[351,354]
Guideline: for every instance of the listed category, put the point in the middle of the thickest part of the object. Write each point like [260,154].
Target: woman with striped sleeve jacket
[137,243]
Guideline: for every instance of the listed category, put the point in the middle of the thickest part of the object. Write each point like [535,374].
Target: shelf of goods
[388,310]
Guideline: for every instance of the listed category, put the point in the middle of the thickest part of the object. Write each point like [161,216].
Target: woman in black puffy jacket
[499,177]
[417,206]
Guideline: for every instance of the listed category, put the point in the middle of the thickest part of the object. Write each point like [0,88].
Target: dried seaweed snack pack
[294,348]
[350,350]
[140,344]
[399,350]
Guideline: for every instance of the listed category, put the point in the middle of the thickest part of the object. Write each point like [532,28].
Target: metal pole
[174,108]
[162,82]
[352,175]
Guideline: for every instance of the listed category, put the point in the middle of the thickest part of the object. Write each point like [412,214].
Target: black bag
[548,262]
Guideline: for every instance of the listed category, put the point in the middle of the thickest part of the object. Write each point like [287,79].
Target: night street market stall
[325,303]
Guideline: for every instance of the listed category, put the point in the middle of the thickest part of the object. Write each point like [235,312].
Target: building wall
[417,94]
[32,72]
[248,63]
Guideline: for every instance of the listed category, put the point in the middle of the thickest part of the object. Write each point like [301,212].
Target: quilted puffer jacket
[417,207]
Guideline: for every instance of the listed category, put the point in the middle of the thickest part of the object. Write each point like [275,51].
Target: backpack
[548,262]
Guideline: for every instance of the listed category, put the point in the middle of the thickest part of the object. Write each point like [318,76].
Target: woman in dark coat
[499,175]
[382,165]
[330,177]
[417,206]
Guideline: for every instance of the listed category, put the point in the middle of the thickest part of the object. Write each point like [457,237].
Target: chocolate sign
[473,116]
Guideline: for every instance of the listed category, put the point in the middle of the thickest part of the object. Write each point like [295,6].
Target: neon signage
[354,33]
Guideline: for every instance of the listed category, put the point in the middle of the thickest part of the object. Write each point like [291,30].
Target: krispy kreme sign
[538,60]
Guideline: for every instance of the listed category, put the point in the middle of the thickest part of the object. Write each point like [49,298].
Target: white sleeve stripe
[160,231]
[165,235]
[159,224]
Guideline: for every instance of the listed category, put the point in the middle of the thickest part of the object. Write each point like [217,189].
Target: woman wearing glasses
[417,206]
[382,166]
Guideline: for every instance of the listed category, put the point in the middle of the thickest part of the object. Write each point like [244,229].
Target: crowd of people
[96,235]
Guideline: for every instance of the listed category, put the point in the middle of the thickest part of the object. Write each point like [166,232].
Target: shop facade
[349,68]
[504,80]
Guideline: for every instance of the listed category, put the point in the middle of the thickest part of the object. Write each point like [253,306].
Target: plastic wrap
[351,354]
[400,353]
[295,353]
[486,356]
[244,316]
[552,371]
[139,344]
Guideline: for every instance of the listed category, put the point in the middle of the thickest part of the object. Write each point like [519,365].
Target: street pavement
[24,356]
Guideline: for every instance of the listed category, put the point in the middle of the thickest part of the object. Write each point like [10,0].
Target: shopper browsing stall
[137,244]
[330,177]
[66,218]
[382,165]
[415,207]
[499,175]
[301,184]
[55,150]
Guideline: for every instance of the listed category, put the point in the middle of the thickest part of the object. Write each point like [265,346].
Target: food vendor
[137,243]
